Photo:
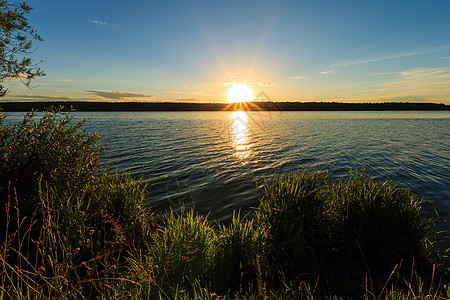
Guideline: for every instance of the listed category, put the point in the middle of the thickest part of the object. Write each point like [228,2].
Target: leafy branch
[16,44]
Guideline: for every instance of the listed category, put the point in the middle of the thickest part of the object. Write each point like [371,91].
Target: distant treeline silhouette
[246,106]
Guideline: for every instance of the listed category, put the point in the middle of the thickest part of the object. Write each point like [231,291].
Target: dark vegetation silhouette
[245,106]
[16,45]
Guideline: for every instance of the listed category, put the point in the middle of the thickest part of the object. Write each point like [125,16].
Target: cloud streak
[265,84]
[328,72]
[98,96]
[98,22]
[419,73]
[228,83]
[421,81]
[118,96]
[176,92]
[26,97]
[392,56]
[251,84]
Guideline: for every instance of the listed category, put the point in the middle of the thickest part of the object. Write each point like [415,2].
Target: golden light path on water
[240,136]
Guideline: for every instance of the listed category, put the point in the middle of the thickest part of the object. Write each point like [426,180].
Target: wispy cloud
[375,59]
[119,96]
[264,84]
[376,99]
[19,77]
[63,80]
[418,73]
[298,77]
[251,84]
[98,22]
[421,80]
[104,95]
[201,94]
[384,73]
[392,56]
[27,97]
[228,83]
[329,72]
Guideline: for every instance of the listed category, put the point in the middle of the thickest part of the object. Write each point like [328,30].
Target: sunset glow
[240,93]
[241,136]
[227,52]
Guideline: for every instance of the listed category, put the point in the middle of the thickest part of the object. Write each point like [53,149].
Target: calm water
[210,159]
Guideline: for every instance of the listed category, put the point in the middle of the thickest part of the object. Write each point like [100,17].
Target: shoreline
[243,106]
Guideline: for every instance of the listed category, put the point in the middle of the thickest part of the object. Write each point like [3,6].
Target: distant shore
[243,106]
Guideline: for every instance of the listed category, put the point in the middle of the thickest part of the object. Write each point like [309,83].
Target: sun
[240,93]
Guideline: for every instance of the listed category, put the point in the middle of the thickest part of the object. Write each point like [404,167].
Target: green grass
[292,212]
[239,255]
[379,220]
[183,249]
[71,229]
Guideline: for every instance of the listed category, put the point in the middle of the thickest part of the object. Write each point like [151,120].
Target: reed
[183,249]
[292,212]
[378,224]
[239,255]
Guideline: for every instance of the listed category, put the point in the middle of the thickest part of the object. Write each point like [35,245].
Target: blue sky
[195,50]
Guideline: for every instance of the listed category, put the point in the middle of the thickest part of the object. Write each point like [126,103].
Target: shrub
[71,225]
[53,150]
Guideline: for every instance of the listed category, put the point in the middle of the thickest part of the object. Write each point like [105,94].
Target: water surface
[210,159]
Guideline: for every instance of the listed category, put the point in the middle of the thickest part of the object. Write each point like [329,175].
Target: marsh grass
[382,220]
[239,255]
[291,211]
[48,255]
[73,230]
[340,233]
[183,248]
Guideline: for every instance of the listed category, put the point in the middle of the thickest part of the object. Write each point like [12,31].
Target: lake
[210,159]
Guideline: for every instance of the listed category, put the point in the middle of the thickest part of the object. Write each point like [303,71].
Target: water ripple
[210,159]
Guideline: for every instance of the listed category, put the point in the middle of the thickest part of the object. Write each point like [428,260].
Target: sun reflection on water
[240,136]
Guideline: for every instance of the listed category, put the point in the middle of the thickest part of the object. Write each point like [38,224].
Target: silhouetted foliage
[244,106]
[16,36]
[53,150]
